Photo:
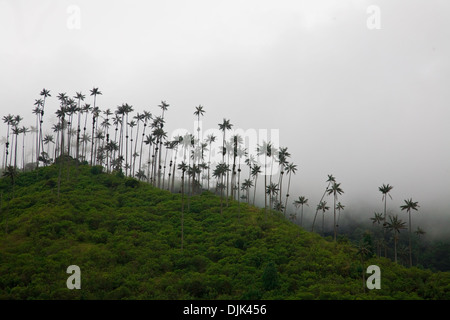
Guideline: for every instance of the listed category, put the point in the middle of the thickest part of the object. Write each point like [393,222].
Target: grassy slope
[127,241]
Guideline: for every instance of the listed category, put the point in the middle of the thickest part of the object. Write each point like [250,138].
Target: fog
[368,105]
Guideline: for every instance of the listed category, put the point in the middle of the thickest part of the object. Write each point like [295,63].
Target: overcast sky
[370,106]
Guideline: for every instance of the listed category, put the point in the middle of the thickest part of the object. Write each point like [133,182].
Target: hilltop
[125,235]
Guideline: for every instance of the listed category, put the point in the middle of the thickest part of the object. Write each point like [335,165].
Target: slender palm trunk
[287,193]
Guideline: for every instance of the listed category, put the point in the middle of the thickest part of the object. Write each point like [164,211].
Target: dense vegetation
[126,236]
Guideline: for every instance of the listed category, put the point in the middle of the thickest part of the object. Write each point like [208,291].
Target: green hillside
[126,235]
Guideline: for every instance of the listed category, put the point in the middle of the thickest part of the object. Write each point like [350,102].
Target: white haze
[370,107]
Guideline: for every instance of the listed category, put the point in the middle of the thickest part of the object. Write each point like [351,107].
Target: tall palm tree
[255,171]
[24,130]
[408,206]
[282,158]
[220,172]
[378,219]
[246,185]
[290,169]
[265,149]
[139,118]
[210,139]
[385,189]
[45,94]
[80,97]
[301,201]
[9,120]
[330,180]
[323,206]
[272,190]
[335,190]
[339,207]
[395,224]
[95,113]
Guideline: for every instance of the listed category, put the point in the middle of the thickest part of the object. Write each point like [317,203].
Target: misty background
[370,106]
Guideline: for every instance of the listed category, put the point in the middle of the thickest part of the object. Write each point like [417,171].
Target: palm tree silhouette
[385,189]
[255,171]
[323,206]
[395,224]
[301,201]
[408,206]
[290,169]
[220,172]
[80,97]
[378,219]
[335,190]
[265,149]
[330,180]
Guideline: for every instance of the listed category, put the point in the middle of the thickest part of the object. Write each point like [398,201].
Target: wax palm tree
[199,112]
[9,120]
[246,185]
[210,139]
[86,109]
[378,219]
[301,201]
[335,190]
[24,130]
[290,169]
[80,97]
[139,118]
[385,189]
[282,158]
[272,190]
[95,111]
[147,117]
[408,206]
[330,180]
[395,224]
[256,170]
[224,126]
[45,94]
[323,206]
[220,172]
[265,149]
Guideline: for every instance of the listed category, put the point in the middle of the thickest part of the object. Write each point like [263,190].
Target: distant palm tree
[45,94]
[80,98]
[330,180]
[408,206]
[323,206]
[220,172]
[272,190]
[24,131]
[210,139]
[395,224]
[378,219]
[335,190]
[385,189]
[290,169]
[301,201]
[255,171]
[265,149]
[246,185]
